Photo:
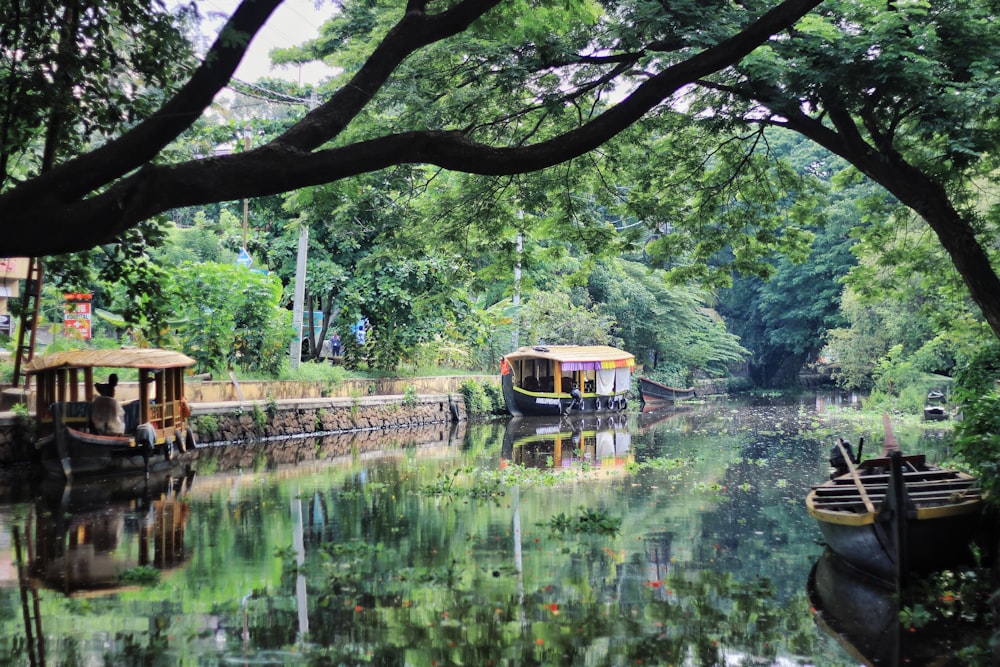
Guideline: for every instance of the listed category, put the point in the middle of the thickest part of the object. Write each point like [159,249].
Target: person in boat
[837,461]
[577,401]
[106,412]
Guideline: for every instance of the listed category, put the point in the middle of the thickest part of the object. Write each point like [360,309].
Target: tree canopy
[95,195]
[903,91]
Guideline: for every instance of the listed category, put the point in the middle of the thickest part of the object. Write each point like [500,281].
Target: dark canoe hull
[862,615]
[933,413]
[895,515]
[932,544]
[522,403]
[75,454]
[859,611]
[655,392]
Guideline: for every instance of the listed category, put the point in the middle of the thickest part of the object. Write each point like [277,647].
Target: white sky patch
[291,24]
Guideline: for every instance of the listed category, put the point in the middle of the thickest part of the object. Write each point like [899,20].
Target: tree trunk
[916,190]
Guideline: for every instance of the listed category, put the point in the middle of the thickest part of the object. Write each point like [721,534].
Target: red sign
[76,313]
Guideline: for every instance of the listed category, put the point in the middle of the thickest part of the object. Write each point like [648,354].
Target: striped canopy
[577,357]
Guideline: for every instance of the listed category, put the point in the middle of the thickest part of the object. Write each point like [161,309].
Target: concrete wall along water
[246,412]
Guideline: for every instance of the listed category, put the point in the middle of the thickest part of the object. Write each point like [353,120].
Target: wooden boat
[935,413]
[895,514]
[82,434]
[559,379]
[651,391]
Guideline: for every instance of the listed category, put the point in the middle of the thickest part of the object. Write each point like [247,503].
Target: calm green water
[677,538]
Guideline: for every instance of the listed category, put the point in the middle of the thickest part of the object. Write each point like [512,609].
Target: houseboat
[562,379]
[86,428]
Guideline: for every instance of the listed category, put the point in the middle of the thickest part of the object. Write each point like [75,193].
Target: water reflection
[89,536]
[537,442]
[503,543]
[859,611]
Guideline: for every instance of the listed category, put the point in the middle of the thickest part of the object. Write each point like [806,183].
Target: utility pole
[295,349]
[516,299]
[246,202]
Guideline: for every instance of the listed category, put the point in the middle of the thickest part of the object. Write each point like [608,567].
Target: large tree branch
[911,186]
[57,225]
[82,175]
[415,30]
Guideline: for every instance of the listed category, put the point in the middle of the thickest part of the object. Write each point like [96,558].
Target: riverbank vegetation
[806,230]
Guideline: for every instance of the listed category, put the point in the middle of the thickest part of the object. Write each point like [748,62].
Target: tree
[228,316]
[905,92]
[785,319]
[98,194]
[670,328]
[405,302]
[901,90]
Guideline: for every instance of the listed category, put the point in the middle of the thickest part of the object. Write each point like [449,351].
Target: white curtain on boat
[605,445]
[606,381]
[623,442]
[623,379]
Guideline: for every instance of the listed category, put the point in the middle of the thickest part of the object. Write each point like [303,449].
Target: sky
[293,22]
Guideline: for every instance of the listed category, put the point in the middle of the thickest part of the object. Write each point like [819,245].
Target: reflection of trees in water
[374,601]
[395,576]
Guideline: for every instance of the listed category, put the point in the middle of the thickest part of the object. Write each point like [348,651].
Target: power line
[266,94]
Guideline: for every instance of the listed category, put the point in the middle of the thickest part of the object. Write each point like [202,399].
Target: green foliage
[494,395]
[977,440]
[409,396]
[590,521]
[663,324]
[406,302]
[977,376]
[259,418]
[60,97]
[141,575]
[229,316]
[482,398]
[205,423]
[476,402]
[552,318]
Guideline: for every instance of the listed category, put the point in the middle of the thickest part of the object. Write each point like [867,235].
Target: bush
[483,398]
[494,393]
[409,396]
[476,402]
[205,424]
[977,440]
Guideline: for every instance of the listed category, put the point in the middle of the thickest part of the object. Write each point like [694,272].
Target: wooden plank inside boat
[853,472]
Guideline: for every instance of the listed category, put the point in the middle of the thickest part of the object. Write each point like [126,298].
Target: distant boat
[935,413]
[562,379]
[895,514]
[651,391]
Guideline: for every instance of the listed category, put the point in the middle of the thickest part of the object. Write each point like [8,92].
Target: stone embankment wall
[256,421]
[228,422]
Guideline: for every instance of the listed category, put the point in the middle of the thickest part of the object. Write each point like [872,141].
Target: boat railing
[73,413]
